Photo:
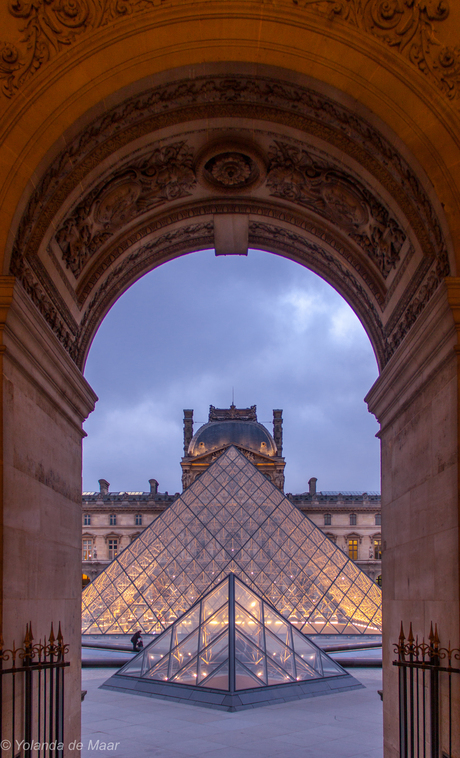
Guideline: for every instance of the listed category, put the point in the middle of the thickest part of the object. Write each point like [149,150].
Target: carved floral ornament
[290,170]
[407,26]
[294,175]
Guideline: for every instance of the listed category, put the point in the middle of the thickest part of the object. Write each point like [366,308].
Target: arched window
[138,519]
[353,549]
[87,549]
[352,519]
[113,519]
[327,519]
[377,548]
[87,519]
[378,519]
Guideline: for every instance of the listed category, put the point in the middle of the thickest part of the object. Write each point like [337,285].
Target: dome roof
[217,434]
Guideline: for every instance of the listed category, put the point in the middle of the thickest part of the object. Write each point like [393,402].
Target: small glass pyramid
[232,520]
[230,642]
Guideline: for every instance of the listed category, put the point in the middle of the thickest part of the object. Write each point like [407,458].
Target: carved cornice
[407,27]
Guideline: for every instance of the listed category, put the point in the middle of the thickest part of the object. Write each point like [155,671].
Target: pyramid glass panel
[245,526]
[240,653]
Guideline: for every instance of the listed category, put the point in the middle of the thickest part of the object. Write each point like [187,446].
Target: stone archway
[241,147]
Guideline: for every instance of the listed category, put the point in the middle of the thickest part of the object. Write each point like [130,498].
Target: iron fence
[425,694]
[32,697]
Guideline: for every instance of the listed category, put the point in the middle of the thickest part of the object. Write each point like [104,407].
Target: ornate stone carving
[231,166]
[239,96]
[295,175]
[166,174]
[49,26]
[65,330]
[406,26]
[307,110]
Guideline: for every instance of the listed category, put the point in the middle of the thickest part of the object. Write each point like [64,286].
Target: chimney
[153,486]
[188,429]
[312,486]
[104,486]
[278,430]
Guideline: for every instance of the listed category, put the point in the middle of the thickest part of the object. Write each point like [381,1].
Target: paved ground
[348,725]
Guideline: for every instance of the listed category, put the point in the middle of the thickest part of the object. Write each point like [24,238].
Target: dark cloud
[188,332]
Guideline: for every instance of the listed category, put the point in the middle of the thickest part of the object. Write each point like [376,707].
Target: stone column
[45,401]
[415,400]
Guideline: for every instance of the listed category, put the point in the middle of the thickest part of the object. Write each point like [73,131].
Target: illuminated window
[113,519]
[377,548]
[378,519]
[85,580]
[138,519]
[327,519]
[352,519]
[379,580]
[353,549]
[87,550]
[113,548]
[87,519]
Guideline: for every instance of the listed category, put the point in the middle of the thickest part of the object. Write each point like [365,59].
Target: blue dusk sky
[191,330]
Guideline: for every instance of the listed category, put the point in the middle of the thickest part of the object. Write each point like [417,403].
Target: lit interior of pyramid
[231,640]
[232,520]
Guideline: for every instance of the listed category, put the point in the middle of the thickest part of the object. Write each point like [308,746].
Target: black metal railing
[32,697]
[425,692]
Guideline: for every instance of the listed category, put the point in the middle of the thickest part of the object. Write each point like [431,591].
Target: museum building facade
[112,520]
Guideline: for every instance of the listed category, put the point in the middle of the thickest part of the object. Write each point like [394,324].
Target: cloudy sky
[193,329]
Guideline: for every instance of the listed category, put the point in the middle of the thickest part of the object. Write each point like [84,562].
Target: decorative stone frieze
[50,26]
[406,27]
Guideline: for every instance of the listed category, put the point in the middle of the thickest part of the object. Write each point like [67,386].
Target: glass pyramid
[230,641]
[232,520]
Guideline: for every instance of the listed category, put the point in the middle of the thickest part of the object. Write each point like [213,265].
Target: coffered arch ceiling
[306,176]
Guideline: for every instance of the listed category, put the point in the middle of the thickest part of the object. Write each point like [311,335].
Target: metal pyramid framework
[232,520]
[232,650]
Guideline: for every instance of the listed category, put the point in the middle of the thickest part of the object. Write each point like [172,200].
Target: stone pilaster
[415,400]
[45,401]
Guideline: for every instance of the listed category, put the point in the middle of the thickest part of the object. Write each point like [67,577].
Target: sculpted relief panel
[296,175]
[166,174]
[261,171]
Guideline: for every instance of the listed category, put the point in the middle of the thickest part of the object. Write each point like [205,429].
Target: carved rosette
[231,167]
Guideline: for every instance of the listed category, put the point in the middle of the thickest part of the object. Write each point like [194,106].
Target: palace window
[378,519]
[379,580]
[87,553]
[377,548]
[138,519]
[352,519]
[327,519]
[113,519]
[353,549]
[87,519]
[113,548]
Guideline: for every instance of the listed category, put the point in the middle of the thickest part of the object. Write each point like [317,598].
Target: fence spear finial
[51,638]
